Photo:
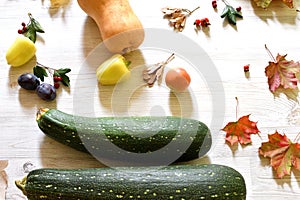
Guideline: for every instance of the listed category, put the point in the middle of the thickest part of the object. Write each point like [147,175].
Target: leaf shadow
[57,6]
[236,146]
[297,175]
[290,93]
[226,23]
[264,162]
[287,179]
[233,147]
[275,12]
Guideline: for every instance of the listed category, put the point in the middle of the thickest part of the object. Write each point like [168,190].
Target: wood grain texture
[69,38]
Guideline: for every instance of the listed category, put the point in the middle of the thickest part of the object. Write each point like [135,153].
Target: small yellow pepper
[20,52]
[113,70]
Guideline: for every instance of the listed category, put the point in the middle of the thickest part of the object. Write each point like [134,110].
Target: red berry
[24,28]
[197,22]
[20,31]
[246,68]
[57,78]
[205,22]
[239,9]
[23,24]
[56,85]
[214,4]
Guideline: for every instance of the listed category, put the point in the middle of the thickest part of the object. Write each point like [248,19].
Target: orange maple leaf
[240,130]
[282,73]
[283,152]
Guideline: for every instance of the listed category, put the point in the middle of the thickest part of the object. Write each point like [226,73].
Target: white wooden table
[69,38]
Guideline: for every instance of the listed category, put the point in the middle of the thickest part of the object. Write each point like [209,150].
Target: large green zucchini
[191,182]
[146,140]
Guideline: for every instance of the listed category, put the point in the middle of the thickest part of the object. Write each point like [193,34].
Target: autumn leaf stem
[297,138]
[190,12]
[45,67]
[270,54]
[170,58]
[236,108]
[226,3]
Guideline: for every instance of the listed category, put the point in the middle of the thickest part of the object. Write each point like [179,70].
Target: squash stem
[40,113]
[21,184]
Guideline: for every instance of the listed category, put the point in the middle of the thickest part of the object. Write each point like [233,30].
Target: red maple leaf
[240,130]
[283,152]
[282,73]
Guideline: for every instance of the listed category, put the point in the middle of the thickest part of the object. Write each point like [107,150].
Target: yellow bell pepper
[20,52]
[113,70]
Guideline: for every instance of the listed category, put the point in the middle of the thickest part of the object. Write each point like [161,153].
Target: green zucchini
[144,140]
[209,181]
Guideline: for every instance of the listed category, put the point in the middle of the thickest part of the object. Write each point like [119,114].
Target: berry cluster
[215,5]
[23,29]
[202,22]
[31,29]
[30,81]
[56,80]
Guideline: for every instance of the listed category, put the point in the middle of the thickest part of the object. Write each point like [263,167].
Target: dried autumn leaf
[266,3]
[177,16]
[155,72]
[240,130]
[284,154]
[282,73]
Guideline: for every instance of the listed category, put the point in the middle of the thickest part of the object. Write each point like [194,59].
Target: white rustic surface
[69,38]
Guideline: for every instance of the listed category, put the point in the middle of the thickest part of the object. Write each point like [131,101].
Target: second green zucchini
[145,140]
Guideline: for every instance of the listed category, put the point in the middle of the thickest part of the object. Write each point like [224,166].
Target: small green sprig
[42,71]
[32,28]
[230,13]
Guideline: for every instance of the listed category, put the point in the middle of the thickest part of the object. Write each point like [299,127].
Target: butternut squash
[120,28]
